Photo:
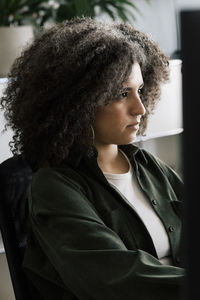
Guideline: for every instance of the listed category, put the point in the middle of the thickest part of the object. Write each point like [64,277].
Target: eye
[140,91]
[124,94]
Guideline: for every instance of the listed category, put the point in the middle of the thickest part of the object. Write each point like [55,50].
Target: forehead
[135,77]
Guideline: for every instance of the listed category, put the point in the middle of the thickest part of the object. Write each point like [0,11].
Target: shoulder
[63,174]
[153,160]
[56,183]
[51,177]
[55,191]
[160,173]
[149,163]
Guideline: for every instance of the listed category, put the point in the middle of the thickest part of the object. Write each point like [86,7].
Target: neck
[110,159]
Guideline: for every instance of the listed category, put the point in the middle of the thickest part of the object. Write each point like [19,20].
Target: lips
[134,125]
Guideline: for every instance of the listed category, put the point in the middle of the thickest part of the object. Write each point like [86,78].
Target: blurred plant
[38,12]
[23,12]
[122,9]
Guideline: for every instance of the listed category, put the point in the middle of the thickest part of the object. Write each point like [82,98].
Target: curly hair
[70,70]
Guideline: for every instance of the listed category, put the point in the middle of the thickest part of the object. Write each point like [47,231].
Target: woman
[104,214]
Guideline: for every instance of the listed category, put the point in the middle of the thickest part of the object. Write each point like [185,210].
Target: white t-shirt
[127,185]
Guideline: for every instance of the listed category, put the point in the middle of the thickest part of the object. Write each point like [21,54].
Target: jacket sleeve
[89,257]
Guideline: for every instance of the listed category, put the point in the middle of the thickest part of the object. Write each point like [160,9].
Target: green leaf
[120,10]
[67,9]
[108,11]
[65,12]
[134,7]
[130,15]
[45,17]
[128,3]
[82,7]
[121,6]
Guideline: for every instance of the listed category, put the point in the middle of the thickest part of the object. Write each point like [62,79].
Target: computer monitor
[190,52]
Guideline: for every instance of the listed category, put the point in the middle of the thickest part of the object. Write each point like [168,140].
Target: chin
[128,140]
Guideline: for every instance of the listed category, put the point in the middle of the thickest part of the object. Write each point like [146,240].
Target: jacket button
[171,228]
[154,202]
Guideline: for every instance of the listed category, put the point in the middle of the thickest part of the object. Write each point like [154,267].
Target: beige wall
[6,291]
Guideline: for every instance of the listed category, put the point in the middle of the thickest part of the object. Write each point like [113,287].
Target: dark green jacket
[87,242]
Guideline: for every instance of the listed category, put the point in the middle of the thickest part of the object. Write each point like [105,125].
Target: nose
[136,106]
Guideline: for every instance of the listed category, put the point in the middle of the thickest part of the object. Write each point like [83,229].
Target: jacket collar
[134,151]
[90,153]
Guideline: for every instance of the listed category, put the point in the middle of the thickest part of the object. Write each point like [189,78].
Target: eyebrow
[130,88]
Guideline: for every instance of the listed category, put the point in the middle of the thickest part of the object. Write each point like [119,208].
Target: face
[118,122]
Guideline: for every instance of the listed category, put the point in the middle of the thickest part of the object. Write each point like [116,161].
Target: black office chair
[15,176]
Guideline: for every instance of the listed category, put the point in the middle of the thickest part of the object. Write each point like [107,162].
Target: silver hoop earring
[93,134]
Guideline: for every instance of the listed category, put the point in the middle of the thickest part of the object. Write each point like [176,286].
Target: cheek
[110,127]
[109,120]
[108,123]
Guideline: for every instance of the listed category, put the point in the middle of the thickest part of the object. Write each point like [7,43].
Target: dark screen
[190,53]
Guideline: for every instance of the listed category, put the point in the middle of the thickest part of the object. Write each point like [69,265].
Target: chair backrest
[15,177]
